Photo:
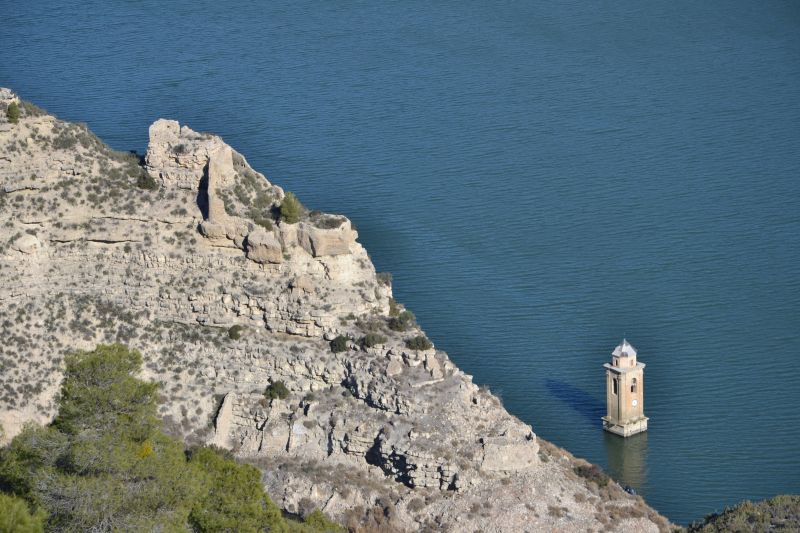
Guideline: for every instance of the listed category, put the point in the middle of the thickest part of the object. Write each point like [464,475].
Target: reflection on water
[627,459]
[626,456]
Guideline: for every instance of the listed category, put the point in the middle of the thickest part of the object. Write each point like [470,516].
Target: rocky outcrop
[223,422]
[27,244]
[179,156]
[224,299]
[7,96]
[263,247]
[318,241]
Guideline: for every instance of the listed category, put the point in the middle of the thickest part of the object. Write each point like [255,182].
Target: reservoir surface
[541,178]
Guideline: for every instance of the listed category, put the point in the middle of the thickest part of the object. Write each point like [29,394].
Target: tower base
[625,429]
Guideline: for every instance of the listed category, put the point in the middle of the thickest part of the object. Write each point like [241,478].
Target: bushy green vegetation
[781,513]
[146,182]
[320,522]
[291,209]
[264,222]
[339,344]
[16,517]
[402,322]
[235,332]
[325,221]
[277,390]
[32,110]
[12,112]
[100,396]
[372,339]
[385,278]
[244,507]
[592,473]
[420,342]
[394,309]
[105,464]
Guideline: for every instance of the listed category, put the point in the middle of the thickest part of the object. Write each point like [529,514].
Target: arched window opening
[614,387]
[633,385]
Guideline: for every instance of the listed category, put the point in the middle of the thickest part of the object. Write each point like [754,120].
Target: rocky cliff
[184,256]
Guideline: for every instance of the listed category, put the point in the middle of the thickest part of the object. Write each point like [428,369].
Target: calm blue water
[541,178]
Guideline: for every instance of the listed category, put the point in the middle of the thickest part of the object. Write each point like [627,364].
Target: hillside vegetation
[105,464]
[781,513]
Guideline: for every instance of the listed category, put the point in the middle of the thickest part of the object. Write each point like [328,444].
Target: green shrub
[592,473]
[16,517]
[263,222]
[781,513]
[235,332]
[291,209]
[64,139]
[402,322]
[385,278]
[263,199]
[105,459]
[325,221]
[91,471]
[235,501]
[371,340]
[339,344]
[416,505]
[420,342]
[277,390]
[369,325]
[100,394]
[32,110]
[12,112]
[146,182]
[394,309]
[320,522]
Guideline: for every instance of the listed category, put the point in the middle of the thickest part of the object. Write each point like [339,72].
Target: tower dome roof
[625,349]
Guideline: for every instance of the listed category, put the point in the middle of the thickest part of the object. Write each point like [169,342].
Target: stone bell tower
[624,392]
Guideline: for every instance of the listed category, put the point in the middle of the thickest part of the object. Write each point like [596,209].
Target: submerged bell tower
[624,392]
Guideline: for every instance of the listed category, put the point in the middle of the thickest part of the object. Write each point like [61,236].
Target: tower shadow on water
[579,400]
[627,458]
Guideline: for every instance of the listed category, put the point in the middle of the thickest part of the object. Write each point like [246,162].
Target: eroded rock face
[7,96]
[178,156]
[319,241]
[507,453]
[263,247]
[27,244]
[170,271]
[224,422]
